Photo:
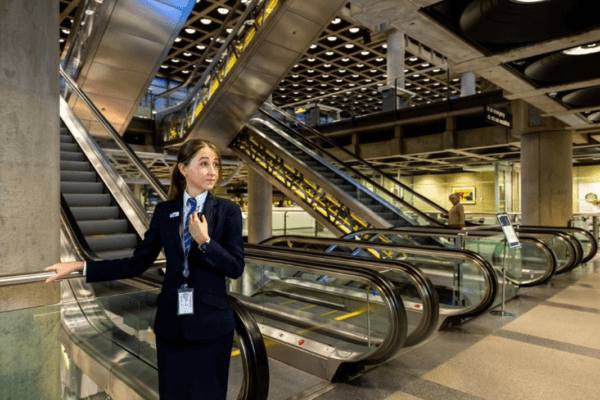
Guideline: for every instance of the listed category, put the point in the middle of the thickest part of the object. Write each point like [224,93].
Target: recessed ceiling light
[352,84]
[200,47]
[294,76]
[408,84]
[209,60]
[338,80]
[342,71]
[321,92]
[436,84]
[368,80]
[425,65]
[66,31]
[205,21]
[413,58]
[336,21]
[323,84]
[177,40]
[332,38]
[345,59]
[296,92]
[310,71]
[325,76]
[355,76]
[313,46]
[187,54]
[309,80]
[175,60]
[61,40]
[327,65]
[283,95]
[164,66]
[384,46]
[379,59]
[380,84]
[360,65]
[427,92]
[282,89]
[354,30]
[365,53]
[309,89]
[454,91]
[583,50]
[223,10]
[311,60]
[229,30]
[426,80]
[437,70]
[190,30]
[349,45]
[185,71]
[455,80]
[329,53]
[416,75]
[295,85]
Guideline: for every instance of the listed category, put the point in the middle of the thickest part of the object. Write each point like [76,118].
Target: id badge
[185,304]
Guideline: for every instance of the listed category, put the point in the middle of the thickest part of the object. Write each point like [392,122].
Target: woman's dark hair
[186,154]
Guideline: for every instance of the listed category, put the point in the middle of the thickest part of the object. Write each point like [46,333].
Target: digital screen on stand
[509,231]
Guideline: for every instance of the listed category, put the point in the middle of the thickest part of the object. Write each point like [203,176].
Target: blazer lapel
[210,212]
[175,222]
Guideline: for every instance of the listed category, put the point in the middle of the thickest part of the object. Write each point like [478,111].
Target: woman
[194,322]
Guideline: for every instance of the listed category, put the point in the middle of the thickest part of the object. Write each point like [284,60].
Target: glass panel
[299,304]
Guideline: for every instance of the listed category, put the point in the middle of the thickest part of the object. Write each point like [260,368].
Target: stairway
[100,220]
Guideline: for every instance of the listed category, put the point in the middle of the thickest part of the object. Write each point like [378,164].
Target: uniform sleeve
[227,257]
[143,257]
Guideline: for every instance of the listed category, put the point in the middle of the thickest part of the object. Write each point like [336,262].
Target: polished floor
[548,349]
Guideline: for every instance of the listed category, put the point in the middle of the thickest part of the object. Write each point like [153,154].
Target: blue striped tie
[187,235]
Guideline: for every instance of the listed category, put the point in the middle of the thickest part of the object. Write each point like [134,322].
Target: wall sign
[497,117]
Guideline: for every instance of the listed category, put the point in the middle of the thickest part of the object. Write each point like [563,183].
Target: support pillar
[29,197]
[395,70]
[547,178]
[468,86]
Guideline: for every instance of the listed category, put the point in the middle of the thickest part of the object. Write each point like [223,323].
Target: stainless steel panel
[152,20]
[293,32]
[128,52]
[114,82]
[251,84]
[109,106]
[318,11]
[272,60]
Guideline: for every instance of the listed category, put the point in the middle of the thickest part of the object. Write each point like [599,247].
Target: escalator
[466,284]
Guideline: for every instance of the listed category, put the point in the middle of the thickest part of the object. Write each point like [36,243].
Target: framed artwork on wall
[465,194]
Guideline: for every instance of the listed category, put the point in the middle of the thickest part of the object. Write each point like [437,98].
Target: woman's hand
[198,228]
[63,269]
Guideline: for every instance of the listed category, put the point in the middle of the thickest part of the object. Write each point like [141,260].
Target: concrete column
[29,197]
[395,58]
[467,84]
[547,178]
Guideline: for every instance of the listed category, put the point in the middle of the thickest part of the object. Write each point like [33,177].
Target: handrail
[592,240]
[212,44]
[488,271]
[394,306]
[551,269]
[227,56]
[311,146]
[156,185]
[355,157]
[421,282]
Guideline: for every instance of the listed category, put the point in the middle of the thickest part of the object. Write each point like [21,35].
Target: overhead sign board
[497,117]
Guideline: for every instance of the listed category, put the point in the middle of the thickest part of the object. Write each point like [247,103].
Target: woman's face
[202,172]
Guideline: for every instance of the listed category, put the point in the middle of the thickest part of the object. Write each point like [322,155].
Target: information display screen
[509,231]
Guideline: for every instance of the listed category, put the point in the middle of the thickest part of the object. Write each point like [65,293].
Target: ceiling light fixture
[205,21]
[223,11]
[190,30]
[200,47]
[332,38]
[336,21]
[354,30]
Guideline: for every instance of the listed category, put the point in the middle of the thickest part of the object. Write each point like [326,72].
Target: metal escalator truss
[267,39]
[302,184]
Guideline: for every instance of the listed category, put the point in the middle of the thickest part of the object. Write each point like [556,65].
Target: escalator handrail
[357,158]
[205,53]
[452,232]
[129,153]
[592,240]
[487,270]
[431,308]
[305,144]
[394,306]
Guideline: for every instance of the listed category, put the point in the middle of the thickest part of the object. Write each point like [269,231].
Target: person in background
[202,239]
[456,215]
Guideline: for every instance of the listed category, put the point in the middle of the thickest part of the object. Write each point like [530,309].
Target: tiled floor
[549,350]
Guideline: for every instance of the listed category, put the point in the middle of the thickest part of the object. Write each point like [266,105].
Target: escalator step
[75,166]
[66,139]
[71,156]
[94,213]
[64,130]
[77,176]
[103,227]
[82,187]
[87,200]
[115,254]
[112,242]
[68,147]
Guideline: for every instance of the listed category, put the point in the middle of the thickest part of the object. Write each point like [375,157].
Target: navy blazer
[224,257]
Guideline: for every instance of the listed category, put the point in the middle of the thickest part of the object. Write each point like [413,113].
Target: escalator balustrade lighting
[221,69]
